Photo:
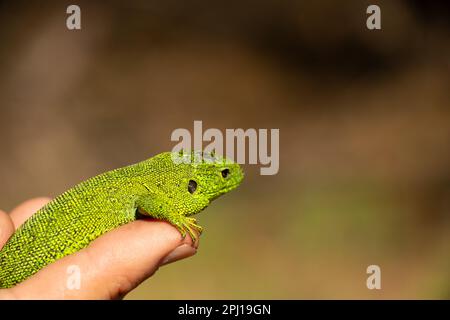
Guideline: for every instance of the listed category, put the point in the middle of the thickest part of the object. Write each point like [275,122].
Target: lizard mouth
[223,190]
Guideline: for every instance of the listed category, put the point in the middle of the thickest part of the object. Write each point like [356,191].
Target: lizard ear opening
[225,172]
[192,186]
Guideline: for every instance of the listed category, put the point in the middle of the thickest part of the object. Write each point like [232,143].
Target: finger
[26,209]
[6,228]
[111,266]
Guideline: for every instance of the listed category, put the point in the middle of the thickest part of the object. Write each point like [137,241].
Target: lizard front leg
[184,224]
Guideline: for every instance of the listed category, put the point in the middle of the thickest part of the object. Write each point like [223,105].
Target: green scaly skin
[157,187]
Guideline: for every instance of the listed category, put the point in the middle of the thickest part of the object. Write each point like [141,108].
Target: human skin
[110,267]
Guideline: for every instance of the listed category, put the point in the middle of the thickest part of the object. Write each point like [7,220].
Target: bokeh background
[364,123]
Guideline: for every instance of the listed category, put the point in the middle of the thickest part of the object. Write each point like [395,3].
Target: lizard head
[212,176]
[208,177]
[196,179]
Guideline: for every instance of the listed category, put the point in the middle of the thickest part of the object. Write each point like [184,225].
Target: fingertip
[181,252]
[26,209]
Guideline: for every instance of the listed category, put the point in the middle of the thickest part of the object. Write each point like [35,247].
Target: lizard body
[159,187]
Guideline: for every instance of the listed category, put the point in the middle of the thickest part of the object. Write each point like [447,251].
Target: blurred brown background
[364,124]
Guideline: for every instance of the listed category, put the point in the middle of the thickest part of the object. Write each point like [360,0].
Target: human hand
[110,267]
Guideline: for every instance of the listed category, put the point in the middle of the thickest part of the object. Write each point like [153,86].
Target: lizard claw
[193,224]
[189,226]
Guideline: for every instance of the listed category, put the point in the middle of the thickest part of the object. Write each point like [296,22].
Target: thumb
[111,266]
[6,228]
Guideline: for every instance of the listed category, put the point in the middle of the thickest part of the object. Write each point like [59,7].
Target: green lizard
[162,187]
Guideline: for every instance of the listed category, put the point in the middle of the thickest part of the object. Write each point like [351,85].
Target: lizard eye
[192,186]
[225,173]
